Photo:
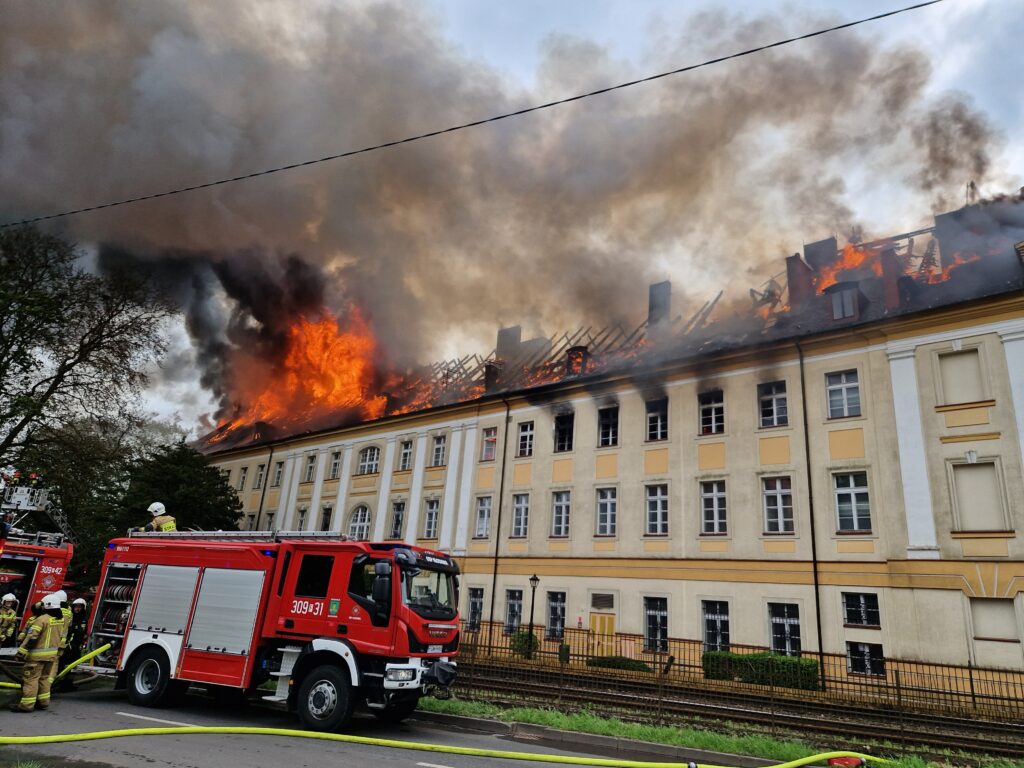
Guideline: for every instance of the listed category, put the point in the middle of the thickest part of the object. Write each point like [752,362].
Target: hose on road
[397,744]
[66,669]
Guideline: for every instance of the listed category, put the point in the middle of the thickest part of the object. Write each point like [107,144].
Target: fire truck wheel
[397,711]
[149,679]
[324,700]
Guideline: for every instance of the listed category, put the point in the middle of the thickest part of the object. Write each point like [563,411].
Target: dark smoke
[552,220]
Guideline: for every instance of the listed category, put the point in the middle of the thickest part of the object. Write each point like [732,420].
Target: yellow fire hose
[68,668]
[396,744]
[366,740]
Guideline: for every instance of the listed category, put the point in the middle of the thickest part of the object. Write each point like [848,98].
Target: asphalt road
[101,710]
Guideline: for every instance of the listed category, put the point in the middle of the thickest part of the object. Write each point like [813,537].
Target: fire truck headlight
[400,675]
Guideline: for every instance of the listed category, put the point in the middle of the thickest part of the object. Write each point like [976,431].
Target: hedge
[763,668]
[618,662]
[523,643]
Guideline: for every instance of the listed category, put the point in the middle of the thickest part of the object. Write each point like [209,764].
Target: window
[602,601]
[483,517]
[844,304]
[405,456]
[270,521]
[771,398]
[785,626]
[778,504]
[300,519]
[979,497]
[397,519]
[325,519]
[489,447]
[560,508]
[513,610]
[655,623]
[226,474]
[852,506]
[960,375]
[657,419]
[843,393]
[261,474]
[250,522]
[865,659]
[359,523]
[657,510]
[335,468]
[520,514]
[608,426]
[430,519]
[712,412]
[525,440]
[607,503]
[476,608]
[243,473]
[860,609]
[563,432]
[440,446]
[278,472]
[994,619]
[307,476]
[712,502]
[314,576]
[555,626]
[716,624]
[369,460]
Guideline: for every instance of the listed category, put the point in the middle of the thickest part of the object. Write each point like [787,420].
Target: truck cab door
[371,611]
[311,599]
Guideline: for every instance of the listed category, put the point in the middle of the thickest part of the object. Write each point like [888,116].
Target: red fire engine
[338,623]
[32,566]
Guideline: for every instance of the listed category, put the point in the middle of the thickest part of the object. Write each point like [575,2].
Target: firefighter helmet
[51,601]
[156,509]
[79,601]
[9,598]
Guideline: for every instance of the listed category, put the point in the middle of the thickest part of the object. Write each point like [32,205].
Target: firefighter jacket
[25,629]
[161,524]
[65,627]
[8,623]
[42,639]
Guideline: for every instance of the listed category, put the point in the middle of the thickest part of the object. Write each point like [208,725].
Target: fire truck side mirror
[383,568]
[382,589]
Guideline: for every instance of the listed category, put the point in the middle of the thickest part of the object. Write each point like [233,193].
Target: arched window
[359,523]
[369,458]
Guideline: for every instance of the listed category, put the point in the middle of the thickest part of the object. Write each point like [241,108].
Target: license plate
[434,648]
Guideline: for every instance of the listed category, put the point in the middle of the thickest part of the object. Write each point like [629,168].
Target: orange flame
[852,258]
[942,275]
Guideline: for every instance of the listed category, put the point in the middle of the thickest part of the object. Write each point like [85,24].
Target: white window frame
[309,474]
[873,667]
[484,505]
[776,401]
[474,608]
[431,516]
[326,518]
[857,601]
[278,474]
[439,454]
[489,444]
[369,461]
[711,414]
[567,445]
[397,516]
[261,476]
[720,619]
[839,492]
[359,523]
[606,522]
[656,504]
[405,456]
[520,515]
[655,641]
[554,616]
[774,504]
[608,426]
[335,466]
[787,622]
[718,523]
[845,383]
[525,445]
[561,513]
[243,475]
[657,419]
[513,610]
[300,518]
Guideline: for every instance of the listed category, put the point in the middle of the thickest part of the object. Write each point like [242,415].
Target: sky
[219,89]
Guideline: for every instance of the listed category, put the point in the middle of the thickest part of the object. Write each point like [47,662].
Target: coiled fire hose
[68,668]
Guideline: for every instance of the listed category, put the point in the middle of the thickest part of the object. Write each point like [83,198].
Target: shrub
[762,669]
[523,643]
[618,662]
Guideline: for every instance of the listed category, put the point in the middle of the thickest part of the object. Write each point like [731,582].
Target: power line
[473,124]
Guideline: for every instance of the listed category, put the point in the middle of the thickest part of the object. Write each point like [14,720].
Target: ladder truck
[337,623]
[32,565]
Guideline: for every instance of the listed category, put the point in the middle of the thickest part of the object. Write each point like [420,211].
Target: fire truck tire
[325,700]
[397,711]
[149,679]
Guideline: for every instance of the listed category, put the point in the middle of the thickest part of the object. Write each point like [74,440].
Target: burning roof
[332,373]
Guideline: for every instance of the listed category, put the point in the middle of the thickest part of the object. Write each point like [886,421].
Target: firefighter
[65,617]
[8,619]
[162,522]
[39,650]
[75,641]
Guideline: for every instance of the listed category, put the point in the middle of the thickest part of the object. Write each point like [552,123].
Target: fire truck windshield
[430,593]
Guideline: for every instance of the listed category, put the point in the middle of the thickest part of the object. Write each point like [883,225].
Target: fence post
[970,677]
[899,705]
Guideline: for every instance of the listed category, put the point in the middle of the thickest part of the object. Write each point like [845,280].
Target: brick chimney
[800,279]
[492,375]
[659,307]
[576,360]
[892,271]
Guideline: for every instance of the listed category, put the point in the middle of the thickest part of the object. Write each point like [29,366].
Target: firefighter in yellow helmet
[8,619]
[39,650]
[162,522]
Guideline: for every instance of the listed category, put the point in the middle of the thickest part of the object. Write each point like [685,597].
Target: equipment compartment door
[220,638]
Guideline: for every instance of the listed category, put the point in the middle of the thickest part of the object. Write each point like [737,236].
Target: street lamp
[534,581]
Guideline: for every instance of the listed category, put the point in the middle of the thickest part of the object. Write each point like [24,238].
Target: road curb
[573,741]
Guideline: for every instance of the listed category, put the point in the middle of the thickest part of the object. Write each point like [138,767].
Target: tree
[194,491]
[72,344]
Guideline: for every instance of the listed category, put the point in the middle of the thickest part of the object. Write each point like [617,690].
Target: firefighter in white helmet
[162,522]
[8,619]
[39,649]
[75,640]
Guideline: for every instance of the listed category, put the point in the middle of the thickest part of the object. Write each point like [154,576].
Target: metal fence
[899,684]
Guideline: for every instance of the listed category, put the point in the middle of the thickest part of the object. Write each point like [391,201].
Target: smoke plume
[550,220]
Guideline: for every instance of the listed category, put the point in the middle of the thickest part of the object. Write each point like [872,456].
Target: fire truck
[32,566]
[336,623]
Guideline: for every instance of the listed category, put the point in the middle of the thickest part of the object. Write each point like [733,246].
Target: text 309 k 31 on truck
[336,623]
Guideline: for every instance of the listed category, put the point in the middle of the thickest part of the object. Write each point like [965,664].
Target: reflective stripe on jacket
[8,622]
[164,524]
[42,638]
